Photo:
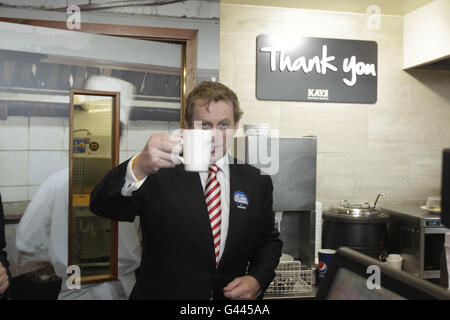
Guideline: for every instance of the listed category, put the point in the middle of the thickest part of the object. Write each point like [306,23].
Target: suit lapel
[191,190]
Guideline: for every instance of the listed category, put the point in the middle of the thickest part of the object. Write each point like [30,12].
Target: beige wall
[393,146]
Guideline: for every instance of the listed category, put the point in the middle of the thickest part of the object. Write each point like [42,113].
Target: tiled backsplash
[32,148]
[49,133]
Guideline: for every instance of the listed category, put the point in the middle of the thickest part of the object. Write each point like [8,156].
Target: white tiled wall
[13,168]
[49,133]
[31,149]
[44,163]
[139,132]
[13,194]
[14,134]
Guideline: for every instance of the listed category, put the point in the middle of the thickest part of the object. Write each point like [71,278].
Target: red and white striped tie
[212,196]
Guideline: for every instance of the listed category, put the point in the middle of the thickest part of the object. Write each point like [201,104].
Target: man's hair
[208,91]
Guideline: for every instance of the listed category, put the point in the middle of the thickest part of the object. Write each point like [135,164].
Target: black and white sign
[316,69]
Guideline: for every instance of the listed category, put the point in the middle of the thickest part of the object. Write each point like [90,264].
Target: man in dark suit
[207,235]
[4,274]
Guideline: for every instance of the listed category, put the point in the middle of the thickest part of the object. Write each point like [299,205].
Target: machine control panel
[433,223]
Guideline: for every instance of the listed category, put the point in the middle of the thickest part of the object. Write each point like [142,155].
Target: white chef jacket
[44,226]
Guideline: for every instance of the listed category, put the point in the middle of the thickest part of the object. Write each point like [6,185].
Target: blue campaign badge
[240,199]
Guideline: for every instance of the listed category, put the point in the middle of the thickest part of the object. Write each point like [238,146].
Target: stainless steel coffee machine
[291,162]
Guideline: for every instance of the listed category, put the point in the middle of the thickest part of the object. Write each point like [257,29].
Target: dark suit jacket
[3,255]
[178,260]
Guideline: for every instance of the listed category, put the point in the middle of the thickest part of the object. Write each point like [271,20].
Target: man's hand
[157,154]
[242,288]
[4,282]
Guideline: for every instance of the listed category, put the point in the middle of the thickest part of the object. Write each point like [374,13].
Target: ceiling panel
[391,7]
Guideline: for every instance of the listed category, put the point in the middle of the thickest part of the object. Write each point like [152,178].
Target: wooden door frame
[115,136]
[186,37]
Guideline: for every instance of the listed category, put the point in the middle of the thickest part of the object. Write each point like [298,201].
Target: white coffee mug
[197,145]
[395,261]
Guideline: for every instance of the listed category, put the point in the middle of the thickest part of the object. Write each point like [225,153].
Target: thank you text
[316,69]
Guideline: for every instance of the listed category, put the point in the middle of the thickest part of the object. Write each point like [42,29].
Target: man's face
[220,119]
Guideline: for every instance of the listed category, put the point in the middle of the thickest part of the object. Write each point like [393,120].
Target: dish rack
[290,279]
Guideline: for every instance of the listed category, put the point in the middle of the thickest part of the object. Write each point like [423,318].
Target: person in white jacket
[44,226]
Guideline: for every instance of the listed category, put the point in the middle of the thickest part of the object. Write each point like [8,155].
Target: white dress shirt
[223,176]
[131,182]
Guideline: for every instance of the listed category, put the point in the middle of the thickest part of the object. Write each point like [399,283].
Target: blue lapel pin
[240,199]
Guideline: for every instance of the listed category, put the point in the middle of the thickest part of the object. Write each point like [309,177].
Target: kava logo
[318,94]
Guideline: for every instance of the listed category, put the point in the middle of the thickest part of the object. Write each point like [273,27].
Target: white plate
[430,210]
[286,257]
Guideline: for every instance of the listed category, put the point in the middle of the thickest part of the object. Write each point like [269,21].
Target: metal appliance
[361,227]
[291,162]
[419,237]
